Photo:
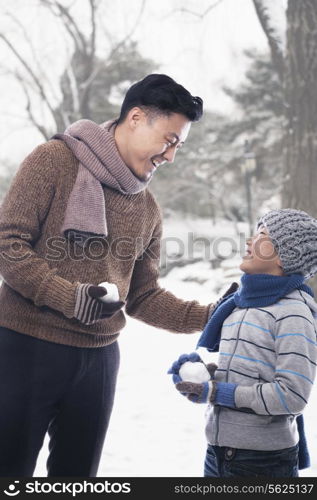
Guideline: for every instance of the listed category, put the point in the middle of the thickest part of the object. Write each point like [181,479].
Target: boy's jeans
[63,390]
[222,461]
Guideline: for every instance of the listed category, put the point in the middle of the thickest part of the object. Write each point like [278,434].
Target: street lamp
[248,166]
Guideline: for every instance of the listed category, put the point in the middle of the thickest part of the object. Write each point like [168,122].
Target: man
[79,213]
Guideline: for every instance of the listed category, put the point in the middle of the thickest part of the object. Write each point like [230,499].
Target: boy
[267,354]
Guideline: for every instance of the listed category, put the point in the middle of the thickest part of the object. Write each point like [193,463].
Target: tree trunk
[299,190]
[300,187]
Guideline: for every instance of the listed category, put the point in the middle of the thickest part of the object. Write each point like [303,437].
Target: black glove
[88,307]
[232,289]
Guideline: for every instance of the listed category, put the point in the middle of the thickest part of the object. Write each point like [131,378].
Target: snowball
[194,372]
[113,293]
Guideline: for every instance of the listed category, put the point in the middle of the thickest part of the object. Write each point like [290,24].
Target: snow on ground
[154,431]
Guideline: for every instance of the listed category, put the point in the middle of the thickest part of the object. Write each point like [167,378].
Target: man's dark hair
[161,95]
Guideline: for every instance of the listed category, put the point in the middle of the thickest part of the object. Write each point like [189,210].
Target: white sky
[201,53]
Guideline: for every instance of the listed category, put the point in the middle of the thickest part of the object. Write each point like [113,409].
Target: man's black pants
[67,391]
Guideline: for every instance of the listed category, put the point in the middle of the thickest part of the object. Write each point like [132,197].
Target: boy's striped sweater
[270,353]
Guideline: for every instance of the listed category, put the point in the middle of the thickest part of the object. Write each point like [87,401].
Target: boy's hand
[194,358]
[211,367]
[183,358]
[198,393]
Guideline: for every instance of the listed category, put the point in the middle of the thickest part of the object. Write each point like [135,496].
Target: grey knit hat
[294,236]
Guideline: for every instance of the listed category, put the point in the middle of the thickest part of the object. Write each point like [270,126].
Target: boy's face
[261,256]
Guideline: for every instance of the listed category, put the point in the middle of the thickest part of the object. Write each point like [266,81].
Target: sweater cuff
[57,293]
[225,394]
[197,318]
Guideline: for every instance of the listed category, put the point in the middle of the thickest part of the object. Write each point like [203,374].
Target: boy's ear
[279,263]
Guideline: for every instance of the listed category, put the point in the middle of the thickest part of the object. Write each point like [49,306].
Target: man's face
[153,140]
[261,256]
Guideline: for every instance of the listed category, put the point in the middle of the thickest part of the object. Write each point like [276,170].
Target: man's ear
[135,117]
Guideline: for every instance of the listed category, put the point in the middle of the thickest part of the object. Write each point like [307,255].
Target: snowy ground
[154,431]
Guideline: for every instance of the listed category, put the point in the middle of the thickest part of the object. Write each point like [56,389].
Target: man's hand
[89,308]
[96,292]
[198,393]
[232,289]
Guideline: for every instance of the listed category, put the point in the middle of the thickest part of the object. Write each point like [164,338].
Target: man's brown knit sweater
[41,269]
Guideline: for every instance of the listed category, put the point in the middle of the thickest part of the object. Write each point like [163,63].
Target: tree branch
[95,69]
[68,22]
[33,51]
[184,10]
[129,35]
[34,77]
[73,88]
[29,110]
[65,13]
[274,42]
[93,9]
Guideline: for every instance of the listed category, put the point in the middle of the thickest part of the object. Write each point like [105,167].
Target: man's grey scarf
[99,163]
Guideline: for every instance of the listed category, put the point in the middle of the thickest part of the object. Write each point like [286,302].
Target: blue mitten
[183,358]
[194,382]
[220,393]
[198,393]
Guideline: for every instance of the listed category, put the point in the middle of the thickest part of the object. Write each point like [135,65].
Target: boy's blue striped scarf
[256,290]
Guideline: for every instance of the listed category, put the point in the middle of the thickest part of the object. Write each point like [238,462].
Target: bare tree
[301,97]
[86,75]
[297,69]
[274,32]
